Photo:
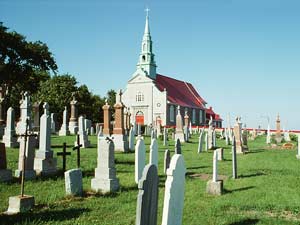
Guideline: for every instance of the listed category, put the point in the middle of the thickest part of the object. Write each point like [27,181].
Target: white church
[153,98]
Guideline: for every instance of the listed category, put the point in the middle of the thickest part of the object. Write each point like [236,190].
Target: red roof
[210,112]
[180,92]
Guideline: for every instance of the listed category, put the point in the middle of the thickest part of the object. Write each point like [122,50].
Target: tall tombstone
[200,144]
[245,139]
[153,159]
[36,116]
[5,174]
[29,161]
[44,163]
[227,137]
[178,147]
[88,125]
[140,157]
[215,186]
[174,192]
[206,141]
[25,111]
[165,136]
[64,130]
[83,137]
[167,160]
[190,129]
[120,139]
[147,199]
[131,139]
[210,138]
[97,128]
[125,113]
[186,126]
[179,129]
[238,136]
[53,123]
[73,123]
[234,162]
[106,119]
[9,138]
[268,140]
[105,180]
[278,137]
[214,138]
[128,124]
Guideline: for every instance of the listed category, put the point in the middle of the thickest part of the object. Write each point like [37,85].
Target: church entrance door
[139,118]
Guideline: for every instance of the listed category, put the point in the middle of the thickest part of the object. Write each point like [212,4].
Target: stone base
[121,142]
[29,174]
[63,132]
[73,127]
[240,150]
[105,185]
[180,136]
[45,167]
[214,188]
[5,175]
[19,204]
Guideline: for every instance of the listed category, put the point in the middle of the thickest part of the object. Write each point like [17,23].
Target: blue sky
[241,55]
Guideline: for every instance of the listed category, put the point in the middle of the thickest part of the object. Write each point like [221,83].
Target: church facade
[153,98]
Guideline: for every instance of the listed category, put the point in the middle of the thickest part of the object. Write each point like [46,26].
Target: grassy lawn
[267,191]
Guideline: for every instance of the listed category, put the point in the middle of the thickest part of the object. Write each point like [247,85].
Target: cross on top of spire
[147,11]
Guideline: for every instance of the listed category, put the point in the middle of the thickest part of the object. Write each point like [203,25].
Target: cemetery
[152,153]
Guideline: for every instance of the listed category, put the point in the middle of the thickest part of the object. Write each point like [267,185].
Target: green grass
[267,191]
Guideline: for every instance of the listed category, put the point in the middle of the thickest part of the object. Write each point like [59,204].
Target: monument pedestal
[104,184]
[64,131]
[44,163]
[73,127]
[180,136]
[19,204]
[121,142]
[5,175]
[214,188]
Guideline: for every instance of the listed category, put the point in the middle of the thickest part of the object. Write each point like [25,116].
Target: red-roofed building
[153,98]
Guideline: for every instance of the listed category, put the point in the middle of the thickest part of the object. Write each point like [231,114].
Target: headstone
[44,163]
[179,129]
[220,154]
[234,162]
[200,144]
[210,137]
[238,137]
[206,141]
[64,130]
[147,200]
[186,133]
[268,141]
[178,147]
[227,137]
[53,123]
[9,138]
[245,139]
[186,126]
[131,139]
[167,160]
[88,125]
[5,174]
[25,111]
[82,134]
[190,130]
[140,157]
[278,137]
[105,180]
[215,186]
[174,192]
[153,159]
[165,136]
[73,182]
[97,128]
[214,138]
[120,139]
[92,131]
[36,116]
[73,123]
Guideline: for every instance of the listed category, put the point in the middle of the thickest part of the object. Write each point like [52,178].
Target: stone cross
[154,153]
[234,162]
[174,192]
[140,157]
[178,147]
[167,160]
[77,147]
[147,200]
[64,155]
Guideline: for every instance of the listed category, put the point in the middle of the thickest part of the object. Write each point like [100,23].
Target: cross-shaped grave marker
[77,147]
[64,155]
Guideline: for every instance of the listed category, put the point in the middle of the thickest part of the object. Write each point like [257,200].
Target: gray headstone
[9,138]
[167,160]
[178,147]
[200,144]
[140,157]
[147,200]
[5,174]
[73,182]
[234,162]
[154,152]
[82,134]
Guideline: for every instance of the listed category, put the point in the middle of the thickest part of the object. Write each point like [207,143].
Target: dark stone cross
[64,155]
[78,151]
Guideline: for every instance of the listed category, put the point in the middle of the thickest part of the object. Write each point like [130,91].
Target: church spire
[146,58]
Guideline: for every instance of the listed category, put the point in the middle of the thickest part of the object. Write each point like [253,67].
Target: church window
[144,58]
[172,115]
[194,116]
[139,97]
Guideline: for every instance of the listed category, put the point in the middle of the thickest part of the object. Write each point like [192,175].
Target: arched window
[194,116]
[139,97]
[172,114]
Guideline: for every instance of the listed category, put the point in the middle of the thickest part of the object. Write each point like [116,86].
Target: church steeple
[146,58]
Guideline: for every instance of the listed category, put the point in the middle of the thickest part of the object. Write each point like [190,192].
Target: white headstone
[215,166]
[73,182]
[153,153]
[64,130]
[140,157]
[200,144]
[131,139]
[9,138]
[165,136]
[82,133]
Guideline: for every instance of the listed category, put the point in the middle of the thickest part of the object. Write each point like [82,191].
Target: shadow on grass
[47,215]
[117,161]
[196,167]
[129,188]
[238,189]
[246,222]
[252,175]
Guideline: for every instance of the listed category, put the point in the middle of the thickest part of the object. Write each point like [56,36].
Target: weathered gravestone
[73,182]
[36,116]
[210,137]
[179,130]
[44,163]
[53,123]
[105,180]
[167,160]
[220,154]
[178,147]
[131,139]
[186,126]
[153,159]
[64,130]
[88,125]
[174,192]
[215,186]
[82,134]
[147,200]
[9,138]
[140,157]
[165,136]
[200,144]
[5,174]
[238,136]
